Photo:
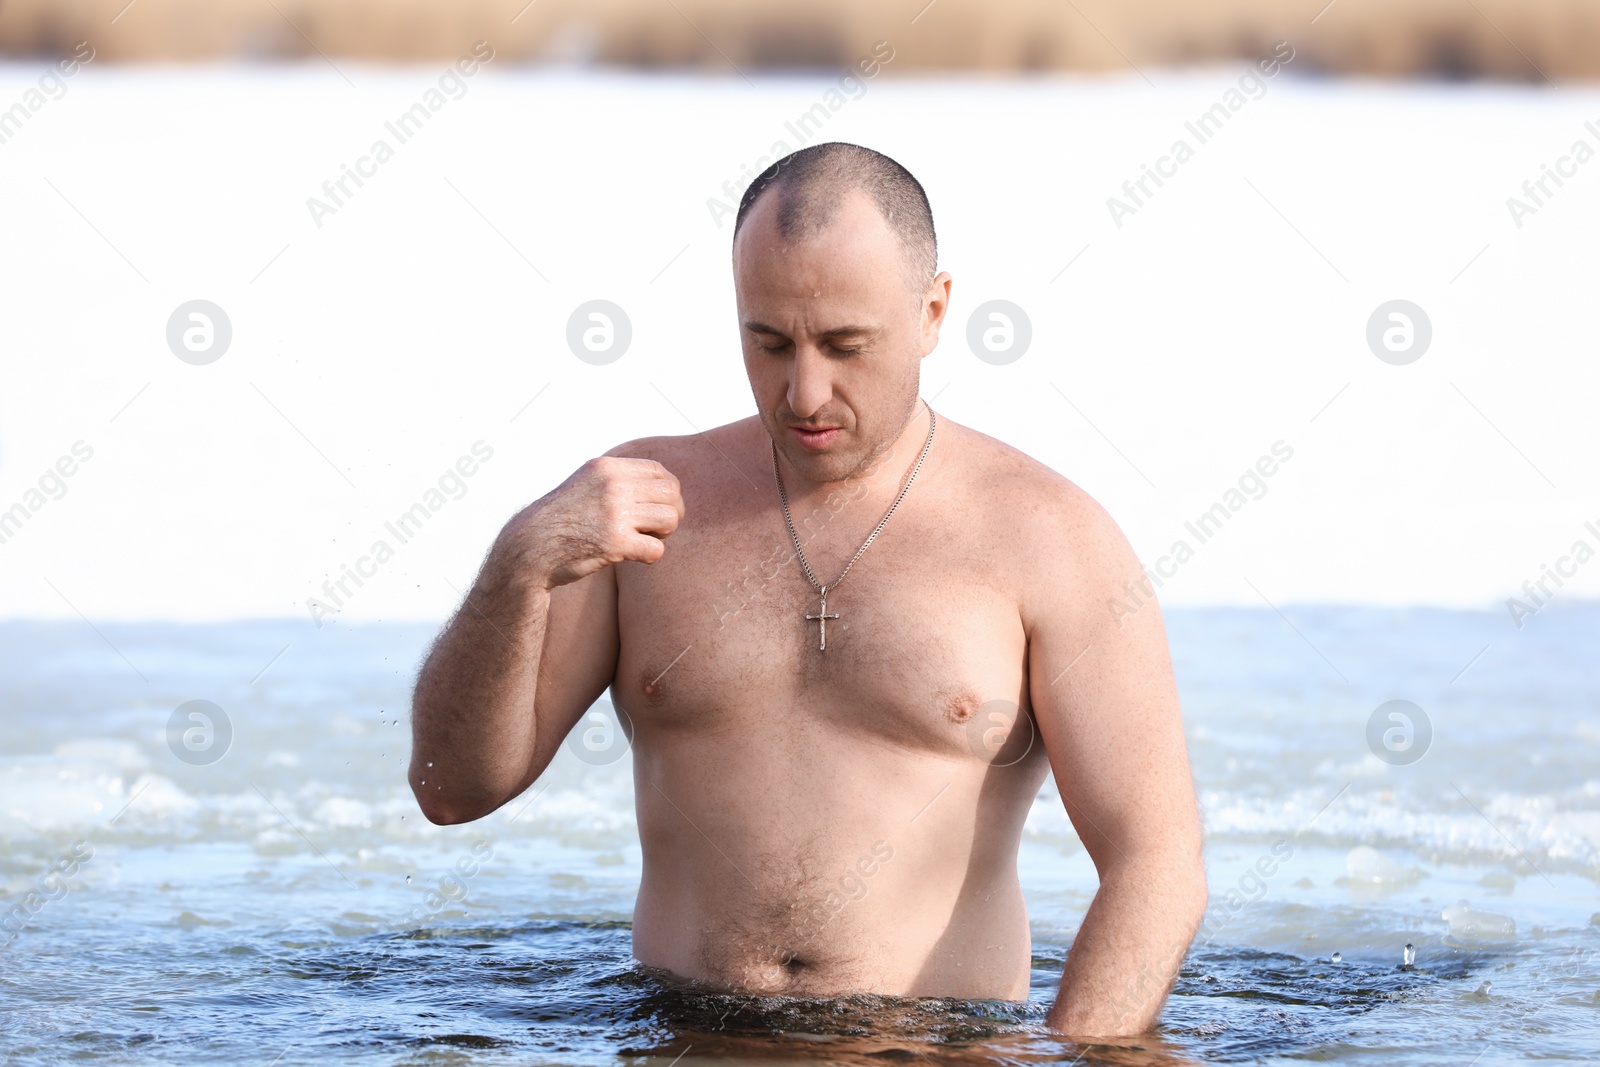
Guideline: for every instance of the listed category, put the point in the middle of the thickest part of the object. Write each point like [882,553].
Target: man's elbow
[443,809]
[442,812]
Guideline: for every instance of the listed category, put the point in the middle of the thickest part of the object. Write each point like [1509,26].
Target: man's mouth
[818,438]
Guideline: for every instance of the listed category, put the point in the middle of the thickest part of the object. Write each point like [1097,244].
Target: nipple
[961,708]
[653,688]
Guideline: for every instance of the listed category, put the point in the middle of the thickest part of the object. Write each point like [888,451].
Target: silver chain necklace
[822,616]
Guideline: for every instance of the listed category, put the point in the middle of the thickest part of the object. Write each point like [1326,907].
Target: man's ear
[935,304]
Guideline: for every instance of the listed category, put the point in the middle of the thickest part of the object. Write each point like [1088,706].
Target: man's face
[832,333]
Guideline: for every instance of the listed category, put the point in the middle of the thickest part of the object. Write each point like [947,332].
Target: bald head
[811,184]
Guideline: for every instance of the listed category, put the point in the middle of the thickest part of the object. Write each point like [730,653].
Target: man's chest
[924,644]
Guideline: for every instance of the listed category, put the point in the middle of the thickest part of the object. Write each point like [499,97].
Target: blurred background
[1514,40]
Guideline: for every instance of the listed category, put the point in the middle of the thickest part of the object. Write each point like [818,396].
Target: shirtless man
[825,813]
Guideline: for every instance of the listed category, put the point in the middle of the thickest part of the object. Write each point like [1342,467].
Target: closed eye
[841,350]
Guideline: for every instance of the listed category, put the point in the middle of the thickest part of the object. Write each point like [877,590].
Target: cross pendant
[822,618]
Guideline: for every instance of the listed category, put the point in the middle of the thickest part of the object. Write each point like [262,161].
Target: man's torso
[817,822]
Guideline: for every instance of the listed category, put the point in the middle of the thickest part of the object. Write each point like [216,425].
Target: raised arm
[1101,683]
[534,643]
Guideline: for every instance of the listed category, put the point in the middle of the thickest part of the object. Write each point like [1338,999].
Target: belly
[814,866]
[824,822]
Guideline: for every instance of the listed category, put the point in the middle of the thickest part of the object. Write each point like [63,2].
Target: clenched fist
[610,509]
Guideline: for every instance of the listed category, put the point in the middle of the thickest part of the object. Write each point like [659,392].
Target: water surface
[288,903]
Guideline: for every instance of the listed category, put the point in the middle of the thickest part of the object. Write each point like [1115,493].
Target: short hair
[811,184]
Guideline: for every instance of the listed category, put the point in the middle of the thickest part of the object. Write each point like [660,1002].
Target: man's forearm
[1130,947]
[473,727]
[474,731]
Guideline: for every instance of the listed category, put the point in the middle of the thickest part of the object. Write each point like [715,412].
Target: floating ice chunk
[1472,925]
[1367,864]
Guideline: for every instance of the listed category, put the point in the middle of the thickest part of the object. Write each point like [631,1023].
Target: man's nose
[810,384]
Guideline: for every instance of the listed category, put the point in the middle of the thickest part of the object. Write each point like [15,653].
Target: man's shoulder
[1068,554]
[685,450]
[1058,533]
[1042,500]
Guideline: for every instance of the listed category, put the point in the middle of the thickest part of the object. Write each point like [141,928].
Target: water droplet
[430,764]
[1338,957]
[1410,956]
[408,879]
